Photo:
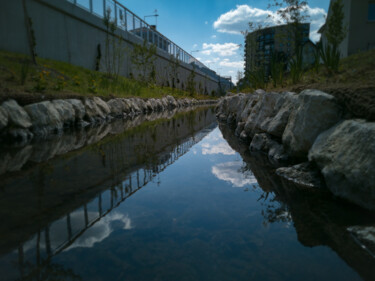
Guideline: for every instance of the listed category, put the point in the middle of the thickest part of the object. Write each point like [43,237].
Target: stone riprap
[309,126]
[21,124]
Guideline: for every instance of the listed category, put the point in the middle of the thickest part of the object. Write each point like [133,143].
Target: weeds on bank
[19,74]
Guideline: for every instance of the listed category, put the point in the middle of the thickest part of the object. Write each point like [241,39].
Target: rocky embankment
[21,124]
[311,130]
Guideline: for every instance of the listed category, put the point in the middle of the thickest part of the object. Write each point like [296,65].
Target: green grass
[18,76]
[355,71]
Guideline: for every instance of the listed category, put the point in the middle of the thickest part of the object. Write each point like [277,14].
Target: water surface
[172,200]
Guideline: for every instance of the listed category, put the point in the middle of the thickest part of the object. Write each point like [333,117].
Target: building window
[371,11]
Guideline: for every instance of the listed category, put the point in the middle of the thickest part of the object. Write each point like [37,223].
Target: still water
[177,198]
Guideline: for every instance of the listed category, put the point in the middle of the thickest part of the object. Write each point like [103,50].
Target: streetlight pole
[154,15]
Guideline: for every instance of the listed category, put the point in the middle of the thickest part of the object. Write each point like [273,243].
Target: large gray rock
[92,111]
[251,102]
[78,107]
[102,105]
[262,113]
[284,106]
[45,118]
[117,107]
[345,155]
[304,174]
[172,104]
[17,116]
[3,118]
[66,111]
[316,112]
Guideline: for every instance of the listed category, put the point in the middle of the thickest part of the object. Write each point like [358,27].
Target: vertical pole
[116,13]
[133,22]
[126,19]
[91,6]
[104,8]
[100,204]
[86,215]
[69,226]
[48,242]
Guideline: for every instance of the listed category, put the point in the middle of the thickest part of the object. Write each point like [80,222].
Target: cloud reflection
[214,144]
[98,232]
[220,148]
[233,173]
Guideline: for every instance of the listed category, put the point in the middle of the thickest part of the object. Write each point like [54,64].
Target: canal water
[176,198]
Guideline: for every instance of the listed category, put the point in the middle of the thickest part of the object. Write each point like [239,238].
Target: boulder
[262,142]
[66,111]
[44,117]
[117,107]
[172,104]
[150,105]
[78,107]
[3,118]
[93,112]
[17,116]
[102,105]
[251,102]
[315,112]
[305,174]
[345,156]
[284,106]
[263,111]
[277,154]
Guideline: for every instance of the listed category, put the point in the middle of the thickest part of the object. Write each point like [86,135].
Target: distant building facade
[262,44]
[359,17]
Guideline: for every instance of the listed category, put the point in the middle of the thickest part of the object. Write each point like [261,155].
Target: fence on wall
[126,20]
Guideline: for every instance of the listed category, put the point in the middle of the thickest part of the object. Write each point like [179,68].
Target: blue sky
[213,26]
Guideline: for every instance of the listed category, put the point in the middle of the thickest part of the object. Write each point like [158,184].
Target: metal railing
[129,22]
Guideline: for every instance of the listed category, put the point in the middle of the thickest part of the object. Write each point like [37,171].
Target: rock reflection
[50,203]
[319,219]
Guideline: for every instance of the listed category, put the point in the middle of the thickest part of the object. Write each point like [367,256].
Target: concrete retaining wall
[65,32]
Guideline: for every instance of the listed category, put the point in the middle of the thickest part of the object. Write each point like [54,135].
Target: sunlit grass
[19,75]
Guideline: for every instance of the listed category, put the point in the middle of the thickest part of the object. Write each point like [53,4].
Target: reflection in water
[319,219]
[67,211]
[235,173]
[156,202]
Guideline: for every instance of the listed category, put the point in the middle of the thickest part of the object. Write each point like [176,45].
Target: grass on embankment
[49,79]
[353,85]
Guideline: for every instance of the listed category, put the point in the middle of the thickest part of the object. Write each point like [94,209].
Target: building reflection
[70,201]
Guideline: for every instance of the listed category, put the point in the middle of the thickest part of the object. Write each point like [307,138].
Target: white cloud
[238,19]
[226,49]
[195,46]
[233,64]
[213,36]
[230,172]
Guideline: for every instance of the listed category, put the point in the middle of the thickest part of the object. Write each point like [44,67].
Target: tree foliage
[143,58]
[335,28]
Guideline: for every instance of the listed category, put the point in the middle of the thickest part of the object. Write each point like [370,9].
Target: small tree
[335,28]
[114,50]
[173,67]
[143,58]
[293,13]
[190,86]
[335,33]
